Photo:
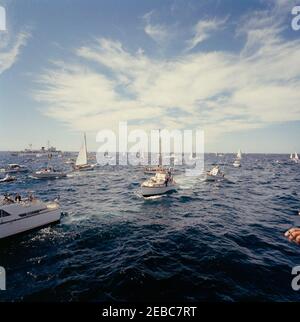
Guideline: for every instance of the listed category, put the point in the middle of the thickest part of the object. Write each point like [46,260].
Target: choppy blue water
[209,241]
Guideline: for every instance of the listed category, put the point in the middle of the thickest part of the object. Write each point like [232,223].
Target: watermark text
[2,19]
[2,279]
[296,280]
[154,147]
[296,19]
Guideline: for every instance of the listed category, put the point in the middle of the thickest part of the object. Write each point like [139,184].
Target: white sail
[82,155]
[291,156]
[296,156]
[239,154]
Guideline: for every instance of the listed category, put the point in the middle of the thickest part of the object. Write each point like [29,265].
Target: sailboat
[163,181]
[295,157]
[81,163]
[160,167]
[237,161]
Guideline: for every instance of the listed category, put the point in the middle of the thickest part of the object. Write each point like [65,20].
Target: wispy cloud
[160,33]
[10,49]
[221,91]
[203,30]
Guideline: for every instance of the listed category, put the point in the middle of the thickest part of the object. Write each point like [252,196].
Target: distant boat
[215,174]
[7,178]
[237,161]
[14,168]
[49,173]
[70,161]
[295,157]
[41,152]
[82,158]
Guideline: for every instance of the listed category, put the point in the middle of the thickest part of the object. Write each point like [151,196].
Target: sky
[230,68]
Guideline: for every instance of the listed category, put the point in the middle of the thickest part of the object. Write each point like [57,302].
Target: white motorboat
[8,178]
[81,163]
[49,173]
[14,168]
[162,183]
[215,174]
[19,217]
[237,161]
[70,161]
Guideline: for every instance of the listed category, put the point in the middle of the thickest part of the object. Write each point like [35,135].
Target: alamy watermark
[139,147]
[2,279]
[296,280]
[296,20]
[2,19]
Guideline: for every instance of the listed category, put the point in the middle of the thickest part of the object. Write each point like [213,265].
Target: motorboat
[237,161]
[81,163]
[14,168]
[162,183]
[22,216]
[70,161]
[8,178]
[215,174]
[49,173]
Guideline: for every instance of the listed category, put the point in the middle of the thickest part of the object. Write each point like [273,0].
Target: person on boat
[293,235]
[166,180]
[18,198]
[30,197]
[214,171]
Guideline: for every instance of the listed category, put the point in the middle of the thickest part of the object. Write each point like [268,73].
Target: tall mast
[85,143]
[160,156]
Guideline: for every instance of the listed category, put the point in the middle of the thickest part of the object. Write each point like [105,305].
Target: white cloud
[221,91]
[203,30]
[158,32]
[10,49]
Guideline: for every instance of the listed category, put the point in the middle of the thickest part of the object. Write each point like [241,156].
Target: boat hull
[7,180]
[21,225]
[214,178]
[16,171]
[49,175]
[84,168]
[155,191]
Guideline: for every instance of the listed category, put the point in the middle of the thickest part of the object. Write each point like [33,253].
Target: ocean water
[218,241]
